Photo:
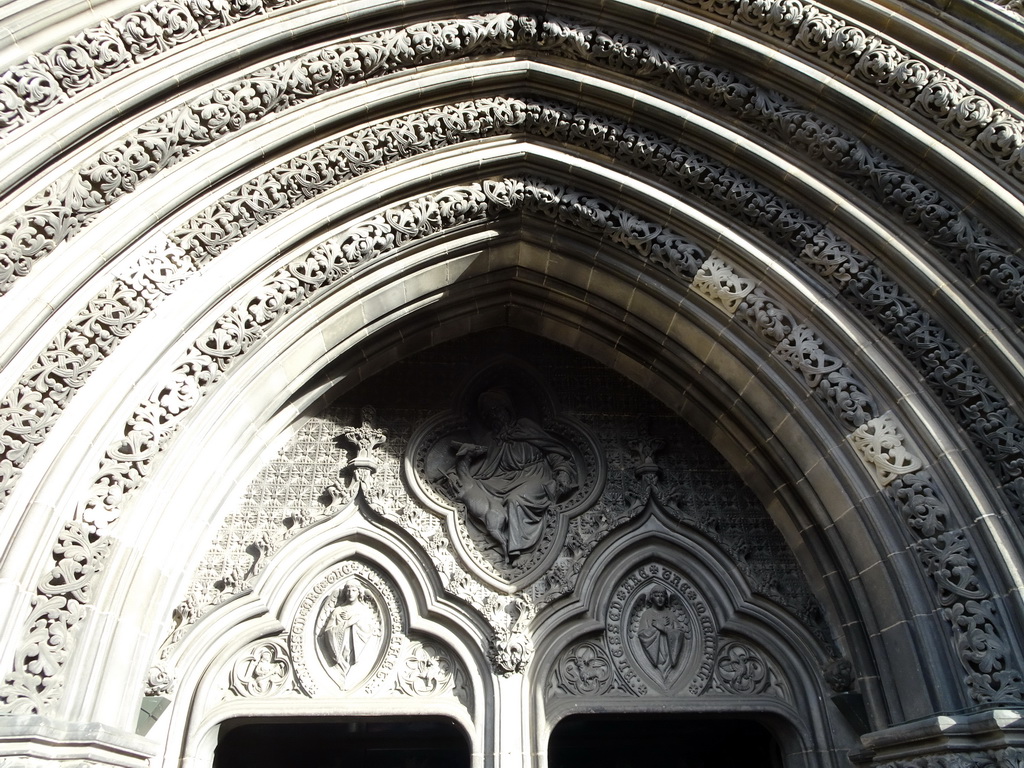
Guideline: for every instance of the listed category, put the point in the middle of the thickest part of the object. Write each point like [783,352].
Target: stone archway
[820,276]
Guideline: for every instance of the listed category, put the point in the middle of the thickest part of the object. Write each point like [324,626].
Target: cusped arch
[707,645]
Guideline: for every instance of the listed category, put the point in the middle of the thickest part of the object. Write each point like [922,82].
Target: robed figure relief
[510,482]
[661,628]
[350,636]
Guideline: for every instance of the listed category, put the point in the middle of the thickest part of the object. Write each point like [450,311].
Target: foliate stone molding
[34,683]
[58,607]
[945,555]
[880,443]
[717,283]
[64,207]
[264,670]
[46,80]
[954,107]
[29,411]
[32,407]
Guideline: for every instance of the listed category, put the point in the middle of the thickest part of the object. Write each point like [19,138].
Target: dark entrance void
[598,741]
[356,743]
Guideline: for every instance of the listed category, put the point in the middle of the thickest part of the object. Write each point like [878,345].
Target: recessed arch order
[790,245]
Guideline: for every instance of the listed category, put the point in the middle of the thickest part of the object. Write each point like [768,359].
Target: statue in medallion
[662,629]
[351,625]
[510,482]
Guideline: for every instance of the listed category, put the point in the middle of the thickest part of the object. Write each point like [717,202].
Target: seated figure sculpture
[509,483]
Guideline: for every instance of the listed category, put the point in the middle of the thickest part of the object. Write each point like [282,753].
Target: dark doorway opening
[606,741]
[354,743]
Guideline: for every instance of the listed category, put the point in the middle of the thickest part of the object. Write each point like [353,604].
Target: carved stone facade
[373,360]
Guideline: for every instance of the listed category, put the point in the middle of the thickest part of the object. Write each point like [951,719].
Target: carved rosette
[660,632]
[584,670]
[262,671]
[742,670]
[429,668]
[347,634]
[506,492]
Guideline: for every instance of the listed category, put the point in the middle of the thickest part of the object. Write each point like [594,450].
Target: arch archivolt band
[110,315]
[835,278]
[876,437]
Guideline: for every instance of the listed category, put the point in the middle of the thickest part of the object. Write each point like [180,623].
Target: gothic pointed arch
[795,226]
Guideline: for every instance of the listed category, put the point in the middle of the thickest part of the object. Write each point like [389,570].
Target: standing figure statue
[509,483]
[662,629]
[350,626]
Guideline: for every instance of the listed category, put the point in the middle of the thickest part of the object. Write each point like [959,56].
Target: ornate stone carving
[429,669]
[660,626]
[719,284]
[263,671]
[64,207]
[506,472]
[351,633]
[159,681]
[45,80]
[998,436]
[584,670]
[57,608]
[741,670]
[839,675]
[128,460]
[361,466]
[879,443]
[803,351]
[348,632]
[660,631]
[511,647]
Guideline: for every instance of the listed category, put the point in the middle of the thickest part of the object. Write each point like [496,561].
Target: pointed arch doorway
[659,604]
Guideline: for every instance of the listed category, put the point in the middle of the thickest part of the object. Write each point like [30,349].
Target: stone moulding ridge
[45,80]
[60,604]
[60,210]
[31,408]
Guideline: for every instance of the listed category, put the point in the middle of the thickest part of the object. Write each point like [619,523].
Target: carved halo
[449,454]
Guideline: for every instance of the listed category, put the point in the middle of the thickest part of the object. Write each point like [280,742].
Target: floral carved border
[61,210]
[28,412]
[45,80]
[32,88]
[58,608]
